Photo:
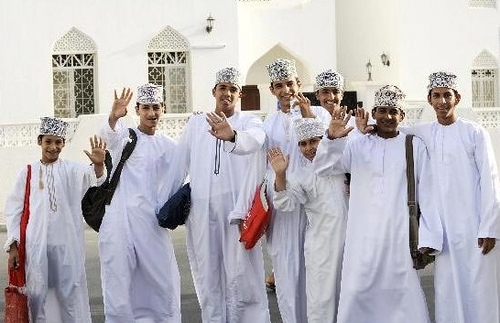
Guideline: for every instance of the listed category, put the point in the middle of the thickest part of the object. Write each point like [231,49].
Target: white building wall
[121,30]
[303,28]
[420,37]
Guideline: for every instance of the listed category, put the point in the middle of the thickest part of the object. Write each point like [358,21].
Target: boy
[467,271]
[378,281]
[139,272]
[221,152]
[325,203]
[285,236]
[55,255]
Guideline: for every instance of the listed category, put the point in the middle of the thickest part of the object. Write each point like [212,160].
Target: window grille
[483,3]
[73,75]
[168,65]
[484,85]
[484,75]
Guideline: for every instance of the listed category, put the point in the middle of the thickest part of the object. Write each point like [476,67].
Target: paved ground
[189,303]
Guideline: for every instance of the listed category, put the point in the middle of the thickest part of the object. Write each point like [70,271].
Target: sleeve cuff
[7,244]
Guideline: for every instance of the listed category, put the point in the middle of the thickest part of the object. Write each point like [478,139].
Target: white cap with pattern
[307,128]
[149,94]
[329,78]
[389,96]
[228,75]
[442,79]
[281,69]
[53,127]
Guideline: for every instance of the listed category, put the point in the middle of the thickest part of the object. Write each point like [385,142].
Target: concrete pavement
[189,303]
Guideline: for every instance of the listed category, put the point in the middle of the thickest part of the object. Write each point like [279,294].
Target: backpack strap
[127,151]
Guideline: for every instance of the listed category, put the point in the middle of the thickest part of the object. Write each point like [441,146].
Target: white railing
[25,134]
[172,125]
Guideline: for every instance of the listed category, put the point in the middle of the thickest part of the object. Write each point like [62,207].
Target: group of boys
[339,249]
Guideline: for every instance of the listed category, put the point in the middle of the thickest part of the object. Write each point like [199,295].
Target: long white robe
[467,283]
[325,203]
[55,255]
[139,272]
[228,278]
[285,236]
[378,281]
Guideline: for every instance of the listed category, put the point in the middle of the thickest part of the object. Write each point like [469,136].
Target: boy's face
[388,119]
[285,91]
[308,147]
[226,97]
[443,101]
[329,98]
[51,147]
[149,116]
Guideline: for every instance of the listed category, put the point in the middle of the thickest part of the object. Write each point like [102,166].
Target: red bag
[16,300]
[257,220]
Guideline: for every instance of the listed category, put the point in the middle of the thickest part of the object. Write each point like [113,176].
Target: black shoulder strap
[127,151]
[412,203]
[410,174]
[129,147]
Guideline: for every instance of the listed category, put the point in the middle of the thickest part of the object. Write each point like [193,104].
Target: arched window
[483,3]
[168,65]
[485,81]
[73,75]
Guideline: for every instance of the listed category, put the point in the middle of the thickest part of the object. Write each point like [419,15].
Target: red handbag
[257,220]
[16,300]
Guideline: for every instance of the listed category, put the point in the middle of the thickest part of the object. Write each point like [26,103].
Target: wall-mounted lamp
[210,23]
[385,59]
[369,70]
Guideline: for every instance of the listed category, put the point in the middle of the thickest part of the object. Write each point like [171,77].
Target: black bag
[420,260]
[96,198]
[176,210]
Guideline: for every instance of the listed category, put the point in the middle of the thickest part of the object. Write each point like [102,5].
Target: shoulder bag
[257,220]
[176,210]
[96,198]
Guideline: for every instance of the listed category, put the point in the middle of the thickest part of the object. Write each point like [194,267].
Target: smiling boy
[55,255]
[325,203]
[379,283]
[139,273]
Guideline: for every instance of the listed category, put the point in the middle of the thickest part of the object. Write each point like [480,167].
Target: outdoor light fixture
[385,59]
[369,70]
[210,23]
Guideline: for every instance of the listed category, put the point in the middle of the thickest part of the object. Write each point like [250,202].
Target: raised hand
[120,104]
[304,105]
[337,127]
[98,151]
[362,121]
[220,126]
[278,161]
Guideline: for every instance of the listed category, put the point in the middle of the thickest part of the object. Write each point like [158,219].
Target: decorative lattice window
[168,65]
[73,75]
[483,3]
[485,81]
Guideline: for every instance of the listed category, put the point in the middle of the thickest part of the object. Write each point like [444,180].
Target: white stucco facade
[418,37]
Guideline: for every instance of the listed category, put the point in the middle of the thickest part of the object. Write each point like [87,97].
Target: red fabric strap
[17,276]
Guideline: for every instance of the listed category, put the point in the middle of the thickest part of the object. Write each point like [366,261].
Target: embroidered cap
[281,69]
[389,96]
[442,79]
[149,93]
[329,78]
[307,128]
[228,75]
[53,126]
